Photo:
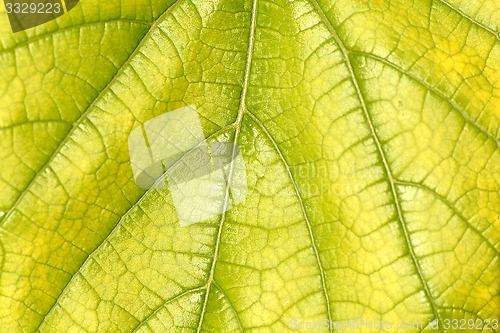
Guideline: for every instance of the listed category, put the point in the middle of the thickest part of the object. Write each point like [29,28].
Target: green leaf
[370,133]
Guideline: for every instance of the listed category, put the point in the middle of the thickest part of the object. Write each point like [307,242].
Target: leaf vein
[432,90]
[84,114]
[304,213]
[239,119]
[452,207]
[470,19]
[355,81]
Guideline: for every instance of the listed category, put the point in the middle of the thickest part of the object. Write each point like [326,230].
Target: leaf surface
[370,132]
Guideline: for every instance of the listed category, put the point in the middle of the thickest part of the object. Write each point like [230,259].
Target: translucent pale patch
[172,146]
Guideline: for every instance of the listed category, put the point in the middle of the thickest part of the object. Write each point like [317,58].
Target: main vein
[239,119]
[139,200]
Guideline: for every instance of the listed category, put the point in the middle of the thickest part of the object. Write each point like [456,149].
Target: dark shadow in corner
[25,14]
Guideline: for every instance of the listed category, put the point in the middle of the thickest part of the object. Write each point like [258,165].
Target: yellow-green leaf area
[370,135]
